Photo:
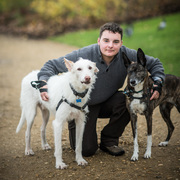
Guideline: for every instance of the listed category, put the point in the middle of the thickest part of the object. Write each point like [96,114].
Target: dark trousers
[115,109]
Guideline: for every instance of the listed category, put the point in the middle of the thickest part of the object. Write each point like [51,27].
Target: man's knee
[89,151]
[120,97]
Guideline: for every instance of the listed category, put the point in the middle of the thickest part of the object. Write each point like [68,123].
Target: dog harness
[72,105]
[39,84]
[77,94]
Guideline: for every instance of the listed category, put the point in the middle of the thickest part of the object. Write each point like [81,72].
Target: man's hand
[155,95]
[44,94]
[156,91]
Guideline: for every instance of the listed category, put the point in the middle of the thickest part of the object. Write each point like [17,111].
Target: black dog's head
[136,71]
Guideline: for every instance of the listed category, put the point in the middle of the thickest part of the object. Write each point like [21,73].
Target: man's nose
[110,44]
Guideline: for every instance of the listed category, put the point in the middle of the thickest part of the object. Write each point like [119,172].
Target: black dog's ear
[141,59]
[127,62]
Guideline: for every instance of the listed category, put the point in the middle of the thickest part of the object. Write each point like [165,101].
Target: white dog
[68,97]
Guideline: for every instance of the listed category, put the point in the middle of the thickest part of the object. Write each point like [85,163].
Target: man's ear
[121,42]
[69,64]
[98,41]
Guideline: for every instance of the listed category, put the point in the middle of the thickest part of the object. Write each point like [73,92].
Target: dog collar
[129,93]
[77,93]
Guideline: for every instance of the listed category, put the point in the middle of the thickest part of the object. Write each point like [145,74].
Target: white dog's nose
[87,79]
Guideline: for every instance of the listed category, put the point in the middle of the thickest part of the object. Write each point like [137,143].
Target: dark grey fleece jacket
[109,78]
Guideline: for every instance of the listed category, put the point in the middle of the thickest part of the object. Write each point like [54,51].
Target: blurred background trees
[42,18]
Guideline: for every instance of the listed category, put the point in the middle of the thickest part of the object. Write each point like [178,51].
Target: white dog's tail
[21,122]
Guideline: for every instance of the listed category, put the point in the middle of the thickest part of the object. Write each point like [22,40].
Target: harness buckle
[35,85]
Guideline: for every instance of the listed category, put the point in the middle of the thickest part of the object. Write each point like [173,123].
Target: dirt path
[19,56]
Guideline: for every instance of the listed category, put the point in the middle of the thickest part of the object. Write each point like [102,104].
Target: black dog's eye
[79,69]
[90,67]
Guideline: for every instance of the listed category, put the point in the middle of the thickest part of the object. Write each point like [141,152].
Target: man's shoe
[113,150]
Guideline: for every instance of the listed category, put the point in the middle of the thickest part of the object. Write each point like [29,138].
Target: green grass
[163,44]
[80,38]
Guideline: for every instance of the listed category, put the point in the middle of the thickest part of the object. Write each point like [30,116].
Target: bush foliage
[48,17]
[85,9]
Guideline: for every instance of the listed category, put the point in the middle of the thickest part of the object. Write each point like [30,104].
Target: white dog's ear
[96,70]
[69,64]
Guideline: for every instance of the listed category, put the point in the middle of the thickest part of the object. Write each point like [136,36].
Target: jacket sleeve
[55,66]
[154,66]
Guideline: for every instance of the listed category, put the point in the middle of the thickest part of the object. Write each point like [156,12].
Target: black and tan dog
[138,91]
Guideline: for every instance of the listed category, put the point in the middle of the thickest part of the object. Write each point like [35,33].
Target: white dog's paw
[61,165]
[134,157]
[82,162]
[46,147]
[165,143]
[147,155]
[29,152]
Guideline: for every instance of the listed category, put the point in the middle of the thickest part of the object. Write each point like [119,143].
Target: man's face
[109,43]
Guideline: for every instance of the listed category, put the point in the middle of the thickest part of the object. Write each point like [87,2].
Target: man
[106,101]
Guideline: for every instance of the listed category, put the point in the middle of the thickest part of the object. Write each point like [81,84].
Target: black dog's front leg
[149,135]
[135,138]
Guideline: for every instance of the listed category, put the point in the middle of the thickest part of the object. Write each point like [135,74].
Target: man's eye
[116,42]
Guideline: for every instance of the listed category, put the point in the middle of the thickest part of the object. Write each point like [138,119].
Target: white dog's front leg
[148,148]
[80,123]
[58,126]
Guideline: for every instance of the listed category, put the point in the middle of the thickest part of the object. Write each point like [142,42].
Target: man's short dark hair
[111,26]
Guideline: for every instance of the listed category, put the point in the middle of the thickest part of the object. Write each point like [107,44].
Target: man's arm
[50,68]
[156,70]
[54,67]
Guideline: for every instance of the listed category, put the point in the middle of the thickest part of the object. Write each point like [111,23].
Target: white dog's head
[83,71]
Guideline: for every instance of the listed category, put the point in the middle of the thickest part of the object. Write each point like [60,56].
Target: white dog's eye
[90,67]
[79,69]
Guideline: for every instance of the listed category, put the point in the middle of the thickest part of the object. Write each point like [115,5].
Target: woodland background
[43,18]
